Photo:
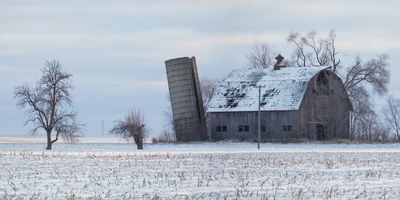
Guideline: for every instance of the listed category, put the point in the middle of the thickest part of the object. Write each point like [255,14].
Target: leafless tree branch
[374,72]
[132,126]
[301,56]
[392,114]
[48,102]
[260,56]
[207,89]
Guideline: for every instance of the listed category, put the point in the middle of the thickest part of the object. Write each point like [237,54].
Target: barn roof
[281,89]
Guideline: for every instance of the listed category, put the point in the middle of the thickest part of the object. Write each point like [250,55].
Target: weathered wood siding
[274,125]
[325,104]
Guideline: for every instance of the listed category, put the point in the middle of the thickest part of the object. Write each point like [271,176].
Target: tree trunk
[49,143]
[139,141]
[398,136]
[140,145]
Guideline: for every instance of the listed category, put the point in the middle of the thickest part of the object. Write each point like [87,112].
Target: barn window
[245,128]
[222,128]
[323,84]
[263,128]
[287,127]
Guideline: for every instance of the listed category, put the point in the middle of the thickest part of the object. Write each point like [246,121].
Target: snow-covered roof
[281,89]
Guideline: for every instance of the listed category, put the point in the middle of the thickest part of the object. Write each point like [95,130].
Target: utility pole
[102,128]
[258,120]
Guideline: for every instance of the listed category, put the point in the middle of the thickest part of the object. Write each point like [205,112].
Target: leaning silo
[186,101]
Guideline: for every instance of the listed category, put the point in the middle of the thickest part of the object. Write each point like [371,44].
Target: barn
[296,104]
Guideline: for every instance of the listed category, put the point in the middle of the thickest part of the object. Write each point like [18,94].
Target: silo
[186,100]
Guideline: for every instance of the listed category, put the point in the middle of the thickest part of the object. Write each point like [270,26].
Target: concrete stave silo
[186,100]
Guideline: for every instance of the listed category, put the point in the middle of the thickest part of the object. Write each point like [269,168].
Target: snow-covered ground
[200,171]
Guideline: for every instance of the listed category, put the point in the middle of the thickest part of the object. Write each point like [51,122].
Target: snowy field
[200,171]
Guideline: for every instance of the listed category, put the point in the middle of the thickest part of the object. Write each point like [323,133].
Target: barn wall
[327,106]
[272,125]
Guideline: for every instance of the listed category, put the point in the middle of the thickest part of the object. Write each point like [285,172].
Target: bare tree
[362,106]
[300,53]
[313,51]
[360,78]
[48,103]
[131,127]
[374,72]
[332,53]
[260,56]
[392,114]
[166,136]
[168,133]
[366,124]
[207,90]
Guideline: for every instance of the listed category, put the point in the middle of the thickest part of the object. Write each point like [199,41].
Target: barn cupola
[279,62]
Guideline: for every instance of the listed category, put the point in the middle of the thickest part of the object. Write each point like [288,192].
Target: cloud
[116,49]
[209,42]
[367,41]
[120,86]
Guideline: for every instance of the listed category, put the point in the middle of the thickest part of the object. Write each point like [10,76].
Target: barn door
[321,132]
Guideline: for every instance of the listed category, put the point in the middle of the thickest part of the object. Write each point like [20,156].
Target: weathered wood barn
[296,103]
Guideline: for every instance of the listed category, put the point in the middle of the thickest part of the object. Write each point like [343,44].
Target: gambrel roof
[281,89]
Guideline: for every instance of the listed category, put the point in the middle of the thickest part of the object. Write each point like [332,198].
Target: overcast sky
[116,49]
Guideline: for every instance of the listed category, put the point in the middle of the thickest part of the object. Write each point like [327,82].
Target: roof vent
[279,62]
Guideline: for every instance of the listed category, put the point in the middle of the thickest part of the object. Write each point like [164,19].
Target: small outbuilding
[296,103]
